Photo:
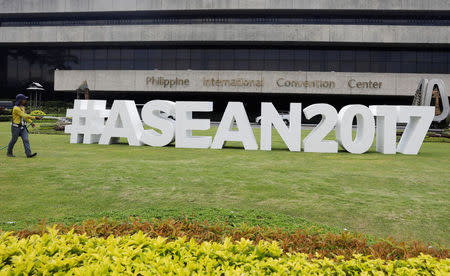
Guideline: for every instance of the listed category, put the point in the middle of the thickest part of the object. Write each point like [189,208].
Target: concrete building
[339,52]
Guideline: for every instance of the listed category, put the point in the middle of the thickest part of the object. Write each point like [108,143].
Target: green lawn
[403,196]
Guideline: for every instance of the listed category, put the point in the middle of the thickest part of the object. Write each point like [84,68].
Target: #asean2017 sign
[93,123]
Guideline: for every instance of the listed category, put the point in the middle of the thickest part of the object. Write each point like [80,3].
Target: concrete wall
[48,6]
[229,32]
[124,80]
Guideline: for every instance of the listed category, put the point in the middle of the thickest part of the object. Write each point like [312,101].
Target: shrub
[5,111]
[5,118]
[71,253]
[306,241]
[37,113]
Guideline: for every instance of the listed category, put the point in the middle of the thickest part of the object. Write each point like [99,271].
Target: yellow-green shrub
[37,113]
[78,254]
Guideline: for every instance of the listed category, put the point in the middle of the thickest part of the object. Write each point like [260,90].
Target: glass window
[271,59]
[332,58]
[23,69]
[408,63]
[168,59]
[196,59]
[113,53]
[100,54]
[439,62]
[100,64]
[287,60]
[154,59]
[127,59]
[212,59]
[11,74]
[378,63]
[100,59]
[424,61]
[241,56]
[35,71]
[183,59]
[301,60]
[226,59]
[73,59]
[113,64]
[393,63]
[113,59]
[47,73]
[316,60]
[256,59]
[127,54]
[87,54]
[347,60]
[141,59]
[362,58]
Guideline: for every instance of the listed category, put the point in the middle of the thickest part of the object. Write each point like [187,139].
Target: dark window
[196,59]
[100,59]
[154,59]
[127,59]
[227,59]
[439,62]
[87,59]
[168,59]
[287,60]
[347,60]
[256,59]
[241,59]
[378,63]
[301,60]
[428,18]
[362,61]
[271,59]
[408,62]
[11,74]
[393,63]
[73,59]
[317,60]
[183,59]
[212,59]
[141,59]
[332,58]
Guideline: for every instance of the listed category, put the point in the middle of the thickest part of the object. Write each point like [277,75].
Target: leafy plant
[72,253]
[309,241]
[37,113]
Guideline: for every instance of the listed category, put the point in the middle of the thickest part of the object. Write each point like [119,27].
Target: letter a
[123,121]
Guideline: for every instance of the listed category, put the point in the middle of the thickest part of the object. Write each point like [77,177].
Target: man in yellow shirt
[19,128]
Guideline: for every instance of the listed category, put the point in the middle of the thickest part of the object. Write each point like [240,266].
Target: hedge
[77,254]
[311,241]
[5,118]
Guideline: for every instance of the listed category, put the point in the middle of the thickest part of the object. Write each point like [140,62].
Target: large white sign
[92,123]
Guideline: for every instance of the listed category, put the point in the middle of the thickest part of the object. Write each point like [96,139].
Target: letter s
[151,116]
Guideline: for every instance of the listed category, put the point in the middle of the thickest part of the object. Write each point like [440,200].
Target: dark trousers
[17,132]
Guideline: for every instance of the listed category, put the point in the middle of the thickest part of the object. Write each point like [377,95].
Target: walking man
[18,126]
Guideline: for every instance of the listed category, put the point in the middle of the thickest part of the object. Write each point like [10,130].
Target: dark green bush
[5,118]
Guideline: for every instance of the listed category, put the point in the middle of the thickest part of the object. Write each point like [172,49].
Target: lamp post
[35,90]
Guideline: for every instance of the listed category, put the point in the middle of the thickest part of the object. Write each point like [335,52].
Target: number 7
[419,119]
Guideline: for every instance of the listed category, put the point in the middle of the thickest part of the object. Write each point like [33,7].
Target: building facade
[282,51]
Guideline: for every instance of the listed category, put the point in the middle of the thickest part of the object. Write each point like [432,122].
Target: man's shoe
[10,155]
[32,155]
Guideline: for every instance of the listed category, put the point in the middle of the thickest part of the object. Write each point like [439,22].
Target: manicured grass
[406,197]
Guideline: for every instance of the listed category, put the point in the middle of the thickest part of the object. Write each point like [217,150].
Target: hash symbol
[88,121]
